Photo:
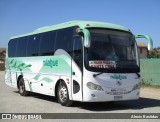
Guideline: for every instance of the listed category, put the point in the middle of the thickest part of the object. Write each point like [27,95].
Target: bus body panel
[40,73]
[76,82]
[116,86]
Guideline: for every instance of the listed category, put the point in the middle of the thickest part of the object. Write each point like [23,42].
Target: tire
[22,89]
[63,96]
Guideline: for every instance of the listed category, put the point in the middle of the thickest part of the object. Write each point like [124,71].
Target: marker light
[76,30]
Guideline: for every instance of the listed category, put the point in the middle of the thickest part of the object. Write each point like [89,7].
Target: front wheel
[63,96]
[22,89]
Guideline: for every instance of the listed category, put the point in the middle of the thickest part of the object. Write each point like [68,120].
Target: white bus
[76,61]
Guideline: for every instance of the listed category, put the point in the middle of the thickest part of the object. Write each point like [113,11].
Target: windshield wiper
[95,75]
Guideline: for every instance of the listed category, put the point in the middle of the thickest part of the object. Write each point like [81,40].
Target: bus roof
[81,24]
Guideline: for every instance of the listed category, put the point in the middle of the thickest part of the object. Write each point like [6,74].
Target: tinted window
[12,47]
[47,43]
[77,51]
[21,47]
[64,40]
[33,45]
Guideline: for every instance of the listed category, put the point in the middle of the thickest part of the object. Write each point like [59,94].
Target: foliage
[155,53]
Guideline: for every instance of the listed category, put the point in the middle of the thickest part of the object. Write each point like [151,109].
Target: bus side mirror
[87,41]
[149,39]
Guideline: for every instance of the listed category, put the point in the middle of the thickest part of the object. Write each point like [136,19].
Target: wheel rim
[21,87]
[63,94]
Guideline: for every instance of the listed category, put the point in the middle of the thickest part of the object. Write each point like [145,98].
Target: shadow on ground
[121,105]
[106,106]
[40,96]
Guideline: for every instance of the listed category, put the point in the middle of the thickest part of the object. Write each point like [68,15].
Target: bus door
[77,68]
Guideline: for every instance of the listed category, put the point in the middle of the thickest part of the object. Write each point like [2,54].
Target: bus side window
[64,40]
[33,45]
[47,43]
[12,48]
[77,51]
[21,47]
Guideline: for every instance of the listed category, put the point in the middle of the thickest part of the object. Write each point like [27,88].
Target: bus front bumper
[102,96]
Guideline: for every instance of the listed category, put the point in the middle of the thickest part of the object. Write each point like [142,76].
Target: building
[142,49]
[2,58]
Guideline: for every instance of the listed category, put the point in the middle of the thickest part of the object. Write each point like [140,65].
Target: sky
[23,16]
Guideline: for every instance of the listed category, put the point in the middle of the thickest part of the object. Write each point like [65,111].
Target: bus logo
[118,77]
[119,83]
[49,62]
[6,116]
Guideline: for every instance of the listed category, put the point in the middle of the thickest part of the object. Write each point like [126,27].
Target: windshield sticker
[102,64]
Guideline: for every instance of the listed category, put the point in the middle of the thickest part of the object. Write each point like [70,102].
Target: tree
[155,53]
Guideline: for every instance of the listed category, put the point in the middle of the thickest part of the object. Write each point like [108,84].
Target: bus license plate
[118,97]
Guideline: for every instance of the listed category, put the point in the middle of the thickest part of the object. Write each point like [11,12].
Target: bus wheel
[22,89]
[63,96]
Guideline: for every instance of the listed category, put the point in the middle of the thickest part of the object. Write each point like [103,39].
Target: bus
[83,61]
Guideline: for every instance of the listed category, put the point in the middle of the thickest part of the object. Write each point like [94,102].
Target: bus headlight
[137,86]
[93,86]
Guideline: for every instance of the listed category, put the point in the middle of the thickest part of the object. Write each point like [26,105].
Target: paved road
[12,102]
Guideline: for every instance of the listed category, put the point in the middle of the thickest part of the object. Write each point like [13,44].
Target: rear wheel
[22,89]
[63,96]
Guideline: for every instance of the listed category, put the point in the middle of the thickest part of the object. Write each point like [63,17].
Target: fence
[150,71]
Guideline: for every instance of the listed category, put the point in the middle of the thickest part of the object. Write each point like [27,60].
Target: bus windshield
[111,50]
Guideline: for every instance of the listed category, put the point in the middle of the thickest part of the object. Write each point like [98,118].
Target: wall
[143,52]
[150,71]
[2,58]
[2,67]
[2,64]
